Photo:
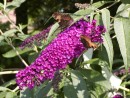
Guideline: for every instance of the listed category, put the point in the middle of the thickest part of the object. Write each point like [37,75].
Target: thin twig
[17,88]
[8,72]
[5,14]
[112,4]
[10,43]
[18,54]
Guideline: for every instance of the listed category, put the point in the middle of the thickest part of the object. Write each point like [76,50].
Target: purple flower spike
[36,38]
[60,52]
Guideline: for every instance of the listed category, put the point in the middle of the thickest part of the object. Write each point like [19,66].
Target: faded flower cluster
[35,39]
[60,52]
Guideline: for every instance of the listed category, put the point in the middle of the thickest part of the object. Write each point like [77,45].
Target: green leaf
[109,48]
[22,36]
[53,29]
[83,12]
[9,33]
[98,91]
[98,19]
[3,94]
[126,1]
[91,16]
[11,95]
[92,61]
[69,91]
[12,53]
[12,82]
[122,30]
[27,93]
[103,55]
[79,84]
[44,91]
[15,3]
[106,18]
[100,3]
[106,38]
[3,43]
[4,89]
[95,77]
[124,10]
[1,38]
[1,6]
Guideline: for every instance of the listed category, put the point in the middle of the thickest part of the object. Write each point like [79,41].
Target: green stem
[10,43]
[17,88]
[8,72]
[5,14]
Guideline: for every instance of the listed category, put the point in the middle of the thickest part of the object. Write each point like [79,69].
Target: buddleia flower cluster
[59,53]
[35,39]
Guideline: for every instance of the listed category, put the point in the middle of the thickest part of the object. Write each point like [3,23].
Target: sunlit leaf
[101,3]
[106,38]
[124,10]
[1,38]
[11,95]
[9,32]
[15,3]
[98,19]
[3,94]
[79,84]
[122,30]
[92,61]
[4,89]
[83,12]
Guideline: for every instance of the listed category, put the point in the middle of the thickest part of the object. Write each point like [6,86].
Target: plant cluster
[58,64]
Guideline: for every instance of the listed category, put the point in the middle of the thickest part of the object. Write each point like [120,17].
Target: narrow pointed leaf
[9,32]
[122,30]
[53,29]
[100,3]
[106,38]
[124,10]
